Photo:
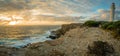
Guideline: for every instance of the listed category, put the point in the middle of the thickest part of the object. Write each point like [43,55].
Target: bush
[100,48]
[107,25]
[92,23]
[116,34]
[112,26]
[117,24]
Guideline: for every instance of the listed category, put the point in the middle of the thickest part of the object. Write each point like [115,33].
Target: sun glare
[12,23]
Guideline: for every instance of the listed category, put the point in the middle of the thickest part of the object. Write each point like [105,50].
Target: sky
[61,11]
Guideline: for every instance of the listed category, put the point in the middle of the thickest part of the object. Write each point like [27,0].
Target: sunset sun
[12,23]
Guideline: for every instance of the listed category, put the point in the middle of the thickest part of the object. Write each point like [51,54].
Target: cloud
[58,10]
[11,5]
[53,6]
[105,15]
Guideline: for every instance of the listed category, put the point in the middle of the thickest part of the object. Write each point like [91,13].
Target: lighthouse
[112,12]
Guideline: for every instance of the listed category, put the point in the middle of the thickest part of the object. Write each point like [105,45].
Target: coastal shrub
[107,25]
[91,23]
[111,25]
[100,48]
[117,24]
[116,34]
[114,27]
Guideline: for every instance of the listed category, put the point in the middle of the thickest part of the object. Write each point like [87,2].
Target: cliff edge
[77,41]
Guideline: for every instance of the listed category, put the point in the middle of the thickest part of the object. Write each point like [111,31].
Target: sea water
[20,36]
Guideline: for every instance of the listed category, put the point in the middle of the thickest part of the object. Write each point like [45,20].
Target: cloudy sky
[56,10]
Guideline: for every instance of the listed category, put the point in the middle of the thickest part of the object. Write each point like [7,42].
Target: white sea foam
[24,42]
[31,34]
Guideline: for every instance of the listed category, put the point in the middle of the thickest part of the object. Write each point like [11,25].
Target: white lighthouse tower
[112,12]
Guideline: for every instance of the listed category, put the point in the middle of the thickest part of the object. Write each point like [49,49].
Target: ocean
[20,36]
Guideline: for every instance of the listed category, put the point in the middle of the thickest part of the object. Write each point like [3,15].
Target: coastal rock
[74,42]
[64,28]
[7,51]
[53,36]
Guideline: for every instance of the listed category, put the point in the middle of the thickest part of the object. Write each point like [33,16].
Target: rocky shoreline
[71,40]
[64,28]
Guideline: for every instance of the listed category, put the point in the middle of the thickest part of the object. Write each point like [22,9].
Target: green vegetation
[114,27]
[111,26]
[100,48]
[108,25]
[91,23]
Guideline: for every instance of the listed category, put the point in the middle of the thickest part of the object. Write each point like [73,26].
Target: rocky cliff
[74,40]
[64,28]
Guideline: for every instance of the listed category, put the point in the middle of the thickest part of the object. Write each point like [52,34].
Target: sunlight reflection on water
[17,36]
